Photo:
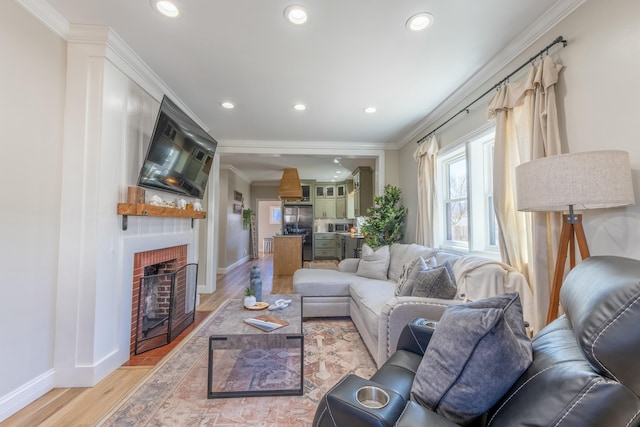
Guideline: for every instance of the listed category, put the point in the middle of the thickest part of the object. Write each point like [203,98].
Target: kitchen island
[287,254]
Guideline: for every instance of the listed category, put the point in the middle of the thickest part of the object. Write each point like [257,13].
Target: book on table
[266,323]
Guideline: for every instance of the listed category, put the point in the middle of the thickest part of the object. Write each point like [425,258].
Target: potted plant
[249,299]
[385,222]
[246,218]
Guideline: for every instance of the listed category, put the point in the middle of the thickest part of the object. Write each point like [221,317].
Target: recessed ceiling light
[370,110]
[419,21]
[338,172]
[336,160]
[296,14]
[300,107]
[167,8]
[227,105]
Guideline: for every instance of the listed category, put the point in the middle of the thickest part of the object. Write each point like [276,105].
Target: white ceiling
[350,55]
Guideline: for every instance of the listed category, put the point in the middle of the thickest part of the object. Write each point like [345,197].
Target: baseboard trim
[225,270]
[26,394]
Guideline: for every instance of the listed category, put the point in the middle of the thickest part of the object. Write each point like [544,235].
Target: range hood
[290,188]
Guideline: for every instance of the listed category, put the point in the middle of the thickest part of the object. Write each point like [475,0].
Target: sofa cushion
[374,263]
[370,296]
[319,282]
[402,253]
[436,282]
[476,353]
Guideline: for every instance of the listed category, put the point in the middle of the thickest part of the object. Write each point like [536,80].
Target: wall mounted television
[180,154]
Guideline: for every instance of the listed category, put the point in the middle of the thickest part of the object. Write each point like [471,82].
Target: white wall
[32,83]
[233,239]
[78,117]
[598,109]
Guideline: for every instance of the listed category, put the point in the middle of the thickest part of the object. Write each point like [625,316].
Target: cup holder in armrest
[372,397]
[428,323]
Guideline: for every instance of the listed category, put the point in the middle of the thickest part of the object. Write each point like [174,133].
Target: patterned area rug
[175,392]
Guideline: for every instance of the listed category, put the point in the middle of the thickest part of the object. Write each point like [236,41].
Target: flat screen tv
[180,154]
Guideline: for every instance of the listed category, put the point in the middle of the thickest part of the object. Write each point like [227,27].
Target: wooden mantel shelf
[140,209]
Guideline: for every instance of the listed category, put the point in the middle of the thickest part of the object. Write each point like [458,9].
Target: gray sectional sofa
[375,309]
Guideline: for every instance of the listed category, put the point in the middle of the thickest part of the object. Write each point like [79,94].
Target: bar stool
[267,245]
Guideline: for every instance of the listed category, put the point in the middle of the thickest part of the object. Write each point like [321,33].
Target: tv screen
[180,154]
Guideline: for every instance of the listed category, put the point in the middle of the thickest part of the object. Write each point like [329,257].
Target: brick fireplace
[156,262]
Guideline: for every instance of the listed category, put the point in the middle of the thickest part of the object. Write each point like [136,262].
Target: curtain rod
[560,39]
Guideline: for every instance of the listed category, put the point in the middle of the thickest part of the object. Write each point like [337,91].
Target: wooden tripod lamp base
[571,231]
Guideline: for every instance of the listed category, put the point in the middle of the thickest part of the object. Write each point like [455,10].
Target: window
[455,203]
[275,216]
[465,185]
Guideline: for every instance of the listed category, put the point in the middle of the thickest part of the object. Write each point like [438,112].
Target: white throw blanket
[478,278]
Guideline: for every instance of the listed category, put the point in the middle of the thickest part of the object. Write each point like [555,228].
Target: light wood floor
[86,406]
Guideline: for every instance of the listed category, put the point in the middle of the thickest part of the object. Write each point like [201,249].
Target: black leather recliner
[585,370]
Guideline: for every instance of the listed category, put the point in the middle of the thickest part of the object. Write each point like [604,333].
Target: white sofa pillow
[373,264]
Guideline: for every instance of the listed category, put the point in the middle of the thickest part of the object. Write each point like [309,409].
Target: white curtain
[526,128]
[425,155]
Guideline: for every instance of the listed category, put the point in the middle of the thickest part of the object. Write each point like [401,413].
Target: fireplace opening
[166,304]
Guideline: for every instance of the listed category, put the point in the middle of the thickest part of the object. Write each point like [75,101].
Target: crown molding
[236,171]
[526,39]
[117,51]
[302,147]
[47,15]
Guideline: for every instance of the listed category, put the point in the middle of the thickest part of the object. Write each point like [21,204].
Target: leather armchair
[585,370]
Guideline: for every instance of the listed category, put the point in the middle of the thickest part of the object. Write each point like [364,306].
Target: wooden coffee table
[246,361]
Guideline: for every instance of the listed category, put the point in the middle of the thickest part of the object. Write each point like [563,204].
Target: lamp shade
[587,180]
[290,188]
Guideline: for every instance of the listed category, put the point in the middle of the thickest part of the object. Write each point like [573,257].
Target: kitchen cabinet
[341,207]
[342,194]
[325,191]
[353,245]
[362,190]
[340,242]
[306,195]
[324,246]
[324,208]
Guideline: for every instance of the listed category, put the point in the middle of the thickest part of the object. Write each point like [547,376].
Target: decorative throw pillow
[417,263]
[437,282]
[410,271]
[476,353]
[373,264]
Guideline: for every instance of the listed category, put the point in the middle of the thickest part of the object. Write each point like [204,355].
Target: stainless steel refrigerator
[298,219]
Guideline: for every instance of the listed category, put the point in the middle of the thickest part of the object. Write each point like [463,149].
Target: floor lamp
[587,180]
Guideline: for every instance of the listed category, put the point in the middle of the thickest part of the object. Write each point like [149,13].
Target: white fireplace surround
[112,101]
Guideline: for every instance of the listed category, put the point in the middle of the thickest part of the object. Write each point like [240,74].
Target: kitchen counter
[287,254]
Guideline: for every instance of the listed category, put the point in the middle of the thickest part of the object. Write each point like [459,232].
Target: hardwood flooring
[86,406]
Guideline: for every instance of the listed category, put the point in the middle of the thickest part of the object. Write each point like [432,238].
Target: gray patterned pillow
[406,270]
[437,282]
[410,271]
[477,352]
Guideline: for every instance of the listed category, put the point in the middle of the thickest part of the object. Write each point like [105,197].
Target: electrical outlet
[245,251]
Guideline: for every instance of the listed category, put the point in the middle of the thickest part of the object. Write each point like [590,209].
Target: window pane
[493,223]
[458,179]
[457,221]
